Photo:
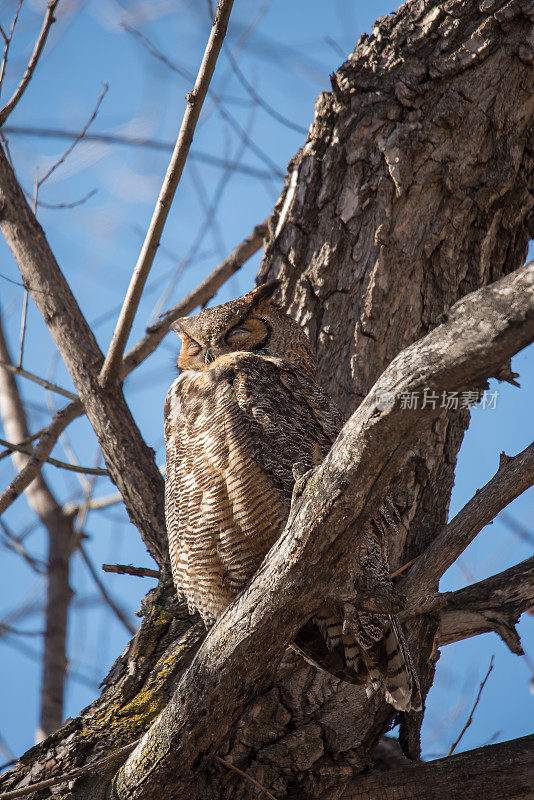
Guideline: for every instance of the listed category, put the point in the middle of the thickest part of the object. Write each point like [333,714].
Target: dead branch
[136,141]
[514,476]
[457,741]
[125,569]
[494,604]
[52,387]
[32,63]
[40,453]
[252,780]
[493,772]
[17,448]
[195,99]
[241,651]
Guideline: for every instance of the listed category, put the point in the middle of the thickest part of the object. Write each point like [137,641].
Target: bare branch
[494,604]
[492,772]
[69,150]
[195,99]
[124,569]
[136,141]
[314,557]
[457,741]
[23,328]
[52,387]
[513,477]
[252,780]
[17,448]
[40,43]
[108,599]
[40,454]
[7,41]
[198,297]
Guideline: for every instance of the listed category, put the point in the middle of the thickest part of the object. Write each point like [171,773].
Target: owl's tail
[376,653]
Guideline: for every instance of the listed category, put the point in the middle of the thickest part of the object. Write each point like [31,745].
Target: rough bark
[414,188]
[497,772]
[494,604]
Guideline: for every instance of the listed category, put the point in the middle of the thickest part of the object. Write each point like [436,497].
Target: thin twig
[470,719]
[69,776]
[32,63]
[41,381]
[210,209]
[195,99]
[260,100]
[239,772]
[66,206]
[137,141]
[23,328]
[404,567]
[117,610]
[7,42]
[124,569]
[48,439]
[69,150]
[54,461]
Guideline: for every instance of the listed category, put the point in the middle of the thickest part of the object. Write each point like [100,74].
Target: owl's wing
[233,433]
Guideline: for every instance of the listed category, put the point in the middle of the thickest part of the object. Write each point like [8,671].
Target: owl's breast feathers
[233,432]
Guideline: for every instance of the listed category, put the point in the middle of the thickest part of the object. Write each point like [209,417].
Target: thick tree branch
[129,460]
[314,557]
[195,99]
[514,476]
[494,772]
[494,604]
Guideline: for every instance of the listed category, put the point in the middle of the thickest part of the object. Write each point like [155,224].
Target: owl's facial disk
[251,333]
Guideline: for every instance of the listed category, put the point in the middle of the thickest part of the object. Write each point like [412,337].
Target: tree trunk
[413,188]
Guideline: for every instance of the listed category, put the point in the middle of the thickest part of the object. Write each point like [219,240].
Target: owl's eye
[193,348]
[238,334]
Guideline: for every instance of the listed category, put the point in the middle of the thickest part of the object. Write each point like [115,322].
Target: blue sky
[286,51]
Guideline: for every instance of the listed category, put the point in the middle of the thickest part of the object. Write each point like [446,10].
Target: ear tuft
[177,325]
[264,292]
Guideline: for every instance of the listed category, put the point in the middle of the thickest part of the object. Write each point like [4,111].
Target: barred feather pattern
[233,432]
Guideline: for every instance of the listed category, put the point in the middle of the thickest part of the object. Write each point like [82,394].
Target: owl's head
[251,323]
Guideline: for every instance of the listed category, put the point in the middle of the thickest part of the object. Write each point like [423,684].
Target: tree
[398,239]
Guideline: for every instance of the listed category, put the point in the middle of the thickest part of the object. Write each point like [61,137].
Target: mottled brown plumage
[243,411]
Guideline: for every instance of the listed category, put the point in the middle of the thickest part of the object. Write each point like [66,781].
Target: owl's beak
[210,356]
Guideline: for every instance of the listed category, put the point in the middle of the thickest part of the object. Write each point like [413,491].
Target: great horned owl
[244,409]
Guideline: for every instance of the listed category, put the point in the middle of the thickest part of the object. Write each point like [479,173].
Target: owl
[243,411]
